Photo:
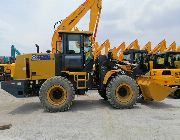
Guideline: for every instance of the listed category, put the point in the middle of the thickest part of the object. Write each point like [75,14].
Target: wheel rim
[57,95]
[124,93]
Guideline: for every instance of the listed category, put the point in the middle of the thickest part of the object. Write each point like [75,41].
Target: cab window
[174,61]
[160,62]
[74,44]
[137,57]
[127,57]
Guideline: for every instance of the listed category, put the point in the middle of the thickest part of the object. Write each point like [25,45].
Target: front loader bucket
[152,90]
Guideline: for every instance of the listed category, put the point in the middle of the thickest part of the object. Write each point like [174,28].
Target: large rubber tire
[102,93]
[176,94]
[122,92]
[56,102]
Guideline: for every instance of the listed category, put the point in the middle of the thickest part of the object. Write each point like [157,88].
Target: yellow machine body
[167,77]
[71,71]
[43,69]
[152,90]
[7,67]
[70,22]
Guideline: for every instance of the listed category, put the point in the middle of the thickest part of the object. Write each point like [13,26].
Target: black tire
[176,94]
[102,93]
[65,94]
[122,92]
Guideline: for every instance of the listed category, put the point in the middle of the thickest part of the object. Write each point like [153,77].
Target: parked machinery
[117,52]
[6,64]
[70,72]
[70,22]
[147,47]
[172,47]
[166,70]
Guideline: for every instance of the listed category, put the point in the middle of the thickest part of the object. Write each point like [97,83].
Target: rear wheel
[122,92]
[57,94]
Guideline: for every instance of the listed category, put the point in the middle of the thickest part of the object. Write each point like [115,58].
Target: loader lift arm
[118,50]
[147,47]
[105,46]
[134,46]
[161,47]
[172,47]
[178,49]
[71,21]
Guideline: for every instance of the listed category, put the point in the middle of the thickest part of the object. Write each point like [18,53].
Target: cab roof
[76,32]
[170,52]
[135,51]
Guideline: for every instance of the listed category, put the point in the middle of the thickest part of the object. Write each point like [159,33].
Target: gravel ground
[90,118]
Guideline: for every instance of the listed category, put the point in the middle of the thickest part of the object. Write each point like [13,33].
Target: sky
[25,23]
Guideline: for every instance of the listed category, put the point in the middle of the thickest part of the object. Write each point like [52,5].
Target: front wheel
[57,94]
[122,92]
[176,94]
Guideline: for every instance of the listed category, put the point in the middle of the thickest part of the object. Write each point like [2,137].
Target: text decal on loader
[41,57]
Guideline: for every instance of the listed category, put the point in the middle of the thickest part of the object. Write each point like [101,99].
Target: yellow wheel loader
[5,72]
[7,64]
[166,71]
[56,78]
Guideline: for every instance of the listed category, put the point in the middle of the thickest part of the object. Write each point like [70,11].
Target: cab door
[73,55]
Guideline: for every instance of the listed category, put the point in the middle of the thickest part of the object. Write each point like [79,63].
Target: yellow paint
[78,78]
[42,69]
[98,51]
[172,47]
[115,51]
[168,80]
[161,47]
[152,90]
[107,76]
[124,98]
[7,68]
[94,6]
[62,93]
[147,47]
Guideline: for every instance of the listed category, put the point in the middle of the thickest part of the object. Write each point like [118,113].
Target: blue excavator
[10,59]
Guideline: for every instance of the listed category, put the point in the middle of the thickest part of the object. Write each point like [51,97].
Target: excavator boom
[98,51]
[71,21]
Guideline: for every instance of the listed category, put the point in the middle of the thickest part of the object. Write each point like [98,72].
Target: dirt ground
[91,118]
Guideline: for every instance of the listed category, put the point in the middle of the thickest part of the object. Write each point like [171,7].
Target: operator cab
[74,51]
[135,56]
[168,60]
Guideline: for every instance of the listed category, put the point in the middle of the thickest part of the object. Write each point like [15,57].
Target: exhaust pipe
[37,46]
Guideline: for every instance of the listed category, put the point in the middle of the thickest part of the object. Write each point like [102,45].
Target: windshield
[137,57]
[174,61]
[127,57]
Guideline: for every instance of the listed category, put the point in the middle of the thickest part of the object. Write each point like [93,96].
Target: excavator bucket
[152,90]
